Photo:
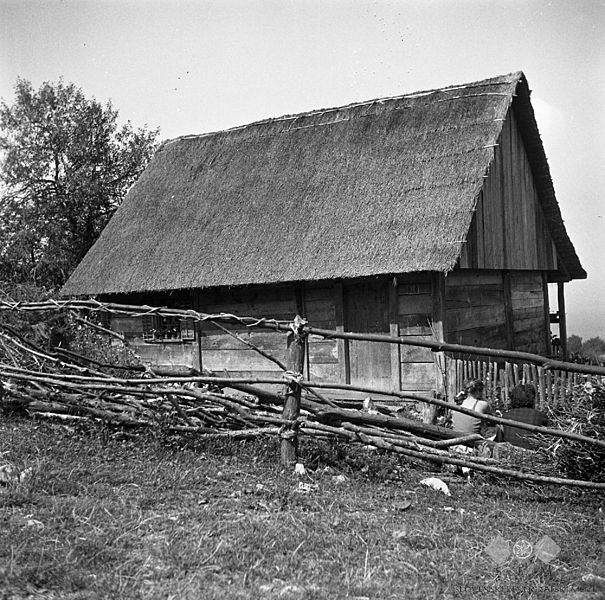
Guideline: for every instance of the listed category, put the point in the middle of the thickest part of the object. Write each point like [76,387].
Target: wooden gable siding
[508,229]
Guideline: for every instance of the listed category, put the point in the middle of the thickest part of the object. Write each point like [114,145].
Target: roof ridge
[506,79]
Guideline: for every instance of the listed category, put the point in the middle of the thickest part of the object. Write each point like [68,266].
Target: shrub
[582,413]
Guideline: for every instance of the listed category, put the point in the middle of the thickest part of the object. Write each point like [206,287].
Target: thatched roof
[380,187]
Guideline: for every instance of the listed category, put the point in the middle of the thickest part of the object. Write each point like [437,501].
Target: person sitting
[522,402]
[473,400]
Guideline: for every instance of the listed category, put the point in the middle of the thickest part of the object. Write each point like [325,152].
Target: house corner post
[342,345]
[546,342]
[297,339]
[562,318]
[439,331]
[394,332]
[508,310]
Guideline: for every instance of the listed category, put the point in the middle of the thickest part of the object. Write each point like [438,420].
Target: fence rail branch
[277,325]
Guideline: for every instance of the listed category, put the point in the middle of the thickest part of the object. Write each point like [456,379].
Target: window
[157,328]
[415,288]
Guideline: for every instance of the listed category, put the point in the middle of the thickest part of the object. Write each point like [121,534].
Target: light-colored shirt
[467,423]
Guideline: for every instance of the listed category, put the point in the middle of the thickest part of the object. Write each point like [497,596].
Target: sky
[192,67]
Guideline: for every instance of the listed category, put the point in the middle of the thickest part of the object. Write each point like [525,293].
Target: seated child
[523,399]
[474,401]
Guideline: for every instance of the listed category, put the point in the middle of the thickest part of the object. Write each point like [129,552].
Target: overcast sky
[198,66]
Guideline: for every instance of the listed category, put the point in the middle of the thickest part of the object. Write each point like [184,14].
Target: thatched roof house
[383,187]
[453,180]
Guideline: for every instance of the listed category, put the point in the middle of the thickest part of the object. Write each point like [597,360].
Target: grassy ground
[109,516]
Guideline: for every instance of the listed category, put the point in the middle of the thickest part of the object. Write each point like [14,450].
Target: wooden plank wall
[508,230]
[323,355]
[476,313]
[477,306]
[220,352]
[164,354]
[415,308]
[174,354]
[529,316]
[366,310]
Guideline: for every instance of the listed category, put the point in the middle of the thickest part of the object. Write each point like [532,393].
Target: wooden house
[430,214]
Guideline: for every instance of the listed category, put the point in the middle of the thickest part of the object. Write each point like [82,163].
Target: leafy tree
[65,166]
[574,344]
[594,348]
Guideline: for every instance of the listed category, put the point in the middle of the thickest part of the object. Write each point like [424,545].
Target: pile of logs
[66,386]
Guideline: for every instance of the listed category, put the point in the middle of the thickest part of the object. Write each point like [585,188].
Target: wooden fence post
[295,363]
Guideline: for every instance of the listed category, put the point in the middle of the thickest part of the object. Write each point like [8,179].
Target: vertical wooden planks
[415,315]
[299,298]
[508,311]
[394,332]
[546,339]
[439,328]
[515,234]
[197,363]
[366,311]
[343,345]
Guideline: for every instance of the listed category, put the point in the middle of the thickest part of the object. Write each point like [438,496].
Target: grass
[106,515]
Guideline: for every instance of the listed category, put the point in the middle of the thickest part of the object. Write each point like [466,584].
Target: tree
[65,166]
[574,344]
[594,348]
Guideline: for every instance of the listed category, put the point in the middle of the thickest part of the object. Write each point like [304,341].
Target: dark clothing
[522,437]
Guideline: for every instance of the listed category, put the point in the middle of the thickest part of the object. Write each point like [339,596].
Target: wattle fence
[33,380]
[501,370]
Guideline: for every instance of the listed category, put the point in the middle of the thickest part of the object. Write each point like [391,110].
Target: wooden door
[366,310]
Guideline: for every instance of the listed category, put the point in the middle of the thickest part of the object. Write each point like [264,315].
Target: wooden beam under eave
[394,332]
[299,297]
[343,345]
[508,310]
[562,318]
[439,328]
[547,344]
[196,304]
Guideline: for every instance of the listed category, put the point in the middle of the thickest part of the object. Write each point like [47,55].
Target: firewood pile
[65,385]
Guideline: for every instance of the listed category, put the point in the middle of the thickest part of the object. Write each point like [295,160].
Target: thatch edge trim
[530,134]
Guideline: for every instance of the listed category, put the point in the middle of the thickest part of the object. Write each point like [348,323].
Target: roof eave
[528,127]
